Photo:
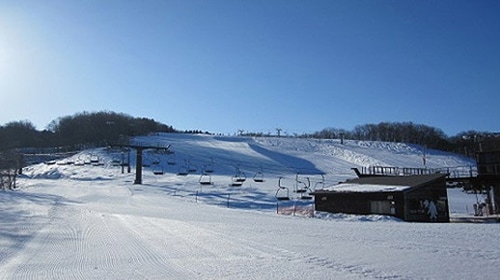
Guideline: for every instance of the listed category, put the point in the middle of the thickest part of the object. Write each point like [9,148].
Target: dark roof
[410,181]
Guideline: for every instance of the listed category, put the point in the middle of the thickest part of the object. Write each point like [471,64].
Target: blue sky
[254,65]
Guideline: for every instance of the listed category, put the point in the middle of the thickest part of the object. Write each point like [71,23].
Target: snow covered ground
[71,221]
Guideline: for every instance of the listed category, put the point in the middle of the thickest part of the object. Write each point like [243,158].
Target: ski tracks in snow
[81,241]
[207,253]
[84,244]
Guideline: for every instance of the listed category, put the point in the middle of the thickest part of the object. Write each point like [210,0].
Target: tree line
[104,128]
[78,131]
[407,132]
[466,143]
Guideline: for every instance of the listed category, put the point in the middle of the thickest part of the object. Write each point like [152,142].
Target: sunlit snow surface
[92,222]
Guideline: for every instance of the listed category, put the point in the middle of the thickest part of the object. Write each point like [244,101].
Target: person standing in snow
[432,211]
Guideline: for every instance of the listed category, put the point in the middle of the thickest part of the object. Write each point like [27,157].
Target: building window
[380,207]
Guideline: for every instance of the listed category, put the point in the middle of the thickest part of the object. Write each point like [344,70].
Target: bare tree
[10,164]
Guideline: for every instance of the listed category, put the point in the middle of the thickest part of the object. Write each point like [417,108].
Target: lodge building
[413,198]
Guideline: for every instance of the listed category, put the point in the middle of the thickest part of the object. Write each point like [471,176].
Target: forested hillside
[82,129]
[103,128]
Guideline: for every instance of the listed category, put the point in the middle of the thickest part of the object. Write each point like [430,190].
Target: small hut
[488,179]
[415,198]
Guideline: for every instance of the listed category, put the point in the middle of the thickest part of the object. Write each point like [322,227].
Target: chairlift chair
[86,159]
[171,158]
[158,172]
[94,158]
[236,183]
[183,171]
[239,179]
[209,168]
[158,169]
[306,197]
[303,191]
[304,188]
[205,179]
[282,190]
[189,167]
[239,176]
[115,162]
[258,177]
[320,183]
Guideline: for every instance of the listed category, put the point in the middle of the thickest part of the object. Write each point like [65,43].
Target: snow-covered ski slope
[295,155]
[285,157]
[87,220]
[221,160]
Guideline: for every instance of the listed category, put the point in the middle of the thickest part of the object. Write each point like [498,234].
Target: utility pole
[278,130]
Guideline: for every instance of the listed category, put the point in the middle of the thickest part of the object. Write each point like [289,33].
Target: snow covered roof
[348,187]
[384,183]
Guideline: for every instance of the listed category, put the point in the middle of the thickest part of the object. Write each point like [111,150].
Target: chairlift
[155,161]
[236,182]
[209,168]
[158,172]
[205,179]
[258,177]
[306,197]
[304,189]
[320,183]
[85,158]
[239,176]
[94,158]
[182,171]
[115,161]
[300,186]
[283,193]
[158,169]
[190,168]
[171,158]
